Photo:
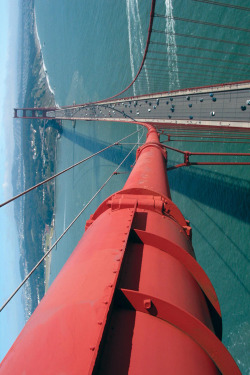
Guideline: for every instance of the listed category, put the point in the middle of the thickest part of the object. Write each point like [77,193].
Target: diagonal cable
[65,170]
[66,230]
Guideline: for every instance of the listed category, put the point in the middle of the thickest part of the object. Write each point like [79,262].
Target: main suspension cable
[66,230]
[67,169]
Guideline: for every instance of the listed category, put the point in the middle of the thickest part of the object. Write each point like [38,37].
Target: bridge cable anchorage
[67,169]
[66,230]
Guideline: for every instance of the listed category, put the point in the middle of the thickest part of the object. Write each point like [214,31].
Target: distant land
[37,157]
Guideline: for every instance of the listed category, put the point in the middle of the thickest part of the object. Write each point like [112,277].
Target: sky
[9,250]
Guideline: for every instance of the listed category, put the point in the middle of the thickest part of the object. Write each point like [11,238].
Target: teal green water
[86,51]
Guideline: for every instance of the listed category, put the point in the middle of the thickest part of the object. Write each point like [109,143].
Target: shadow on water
[114,154]
[224,262]
[218,252]
[224,193]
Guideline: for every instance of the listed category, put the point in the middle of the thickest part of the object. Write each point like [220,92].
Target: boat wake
[136,43]
[136,46]
[174,83]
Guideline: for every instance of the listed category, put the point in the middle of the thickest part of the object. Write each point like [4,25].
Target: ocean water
[91,50]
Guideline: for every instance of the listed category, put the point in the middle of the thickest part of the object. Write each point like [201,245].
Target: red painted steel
[34,113]
[186,323]
[131,299]
[179,253]
[63,334]
[150,167]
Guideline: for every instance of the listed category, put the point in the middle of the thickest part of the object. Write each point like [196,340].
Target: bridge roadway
[227,106]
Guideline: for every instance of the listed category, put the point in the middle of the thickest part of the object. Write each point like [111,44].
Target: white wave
[136,42]
[174,83]
[29,28]
[142,46]
[128,9]
[43,71]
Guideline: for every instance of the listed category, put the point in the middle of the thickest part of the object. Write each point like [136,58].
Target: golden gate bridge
[145,305]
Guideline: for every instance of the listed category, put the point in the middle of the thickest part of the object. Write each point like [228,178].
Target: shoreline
[39,47]
[47,261]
